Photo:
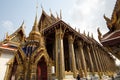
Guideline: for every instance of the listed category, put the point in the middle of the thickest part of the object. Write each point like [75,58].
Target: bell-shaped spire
[35,34]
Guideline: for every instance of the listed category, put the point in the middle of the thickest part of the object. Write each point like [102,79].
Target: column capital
[71,38]
[88,48]
[59,33]
[80,43]
[72,54]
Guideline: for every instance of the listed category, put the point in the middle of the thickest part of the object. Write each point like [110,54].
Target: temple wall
[4,59]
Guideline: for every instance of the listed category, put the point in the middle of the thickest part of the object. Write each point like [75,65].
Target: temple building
[53,50]
[111,40]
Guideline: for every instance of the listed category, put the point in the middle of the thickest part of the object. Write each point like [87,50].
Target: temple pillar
[99,65]
[104,62]
[91,63]
[79,62]
[101,60]
[96,63]
[72,55]
[106,59]
[80,46]
[60,66]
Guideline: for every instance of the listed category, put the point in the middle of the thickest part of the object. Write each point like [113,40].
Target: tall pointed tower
[33,41]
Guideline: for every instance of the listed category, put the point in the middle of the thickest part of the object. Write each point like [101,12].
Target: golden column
[79,62]
[60,66]
[91,63]
[99,65]
[80,46]
[72,55]
[96,63]
[106,59]
[101,60]
[104,62]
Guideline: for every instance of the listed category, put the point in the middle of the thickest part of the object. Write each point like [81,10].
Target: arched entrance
[42,69]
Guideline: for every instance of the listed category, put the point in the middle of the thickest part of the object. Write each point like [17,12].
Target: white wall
[4,58]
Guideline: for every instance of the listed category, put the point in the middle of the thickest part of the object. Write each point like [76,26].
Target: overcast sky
[83,14]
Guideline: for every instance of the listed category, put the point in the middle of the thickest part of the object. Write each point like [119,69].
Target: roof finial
[78,30]
[92,36]
[75,28]
[84,33]
[99,33]
[42,7]
[57,15]
[7,35]
[60,14]
[50,11]
[88,34]
[22,25]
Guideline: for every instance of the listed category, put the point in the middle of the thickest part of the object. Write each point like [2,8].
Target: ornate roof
[46,20]
[111,40]
[17,37]
[114,23]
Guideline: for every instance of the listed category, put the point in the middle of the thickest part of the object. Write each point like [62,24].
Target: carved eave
[68,29]
[112,42]
[111,39]
[6,48]
[93,41]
